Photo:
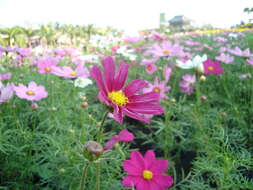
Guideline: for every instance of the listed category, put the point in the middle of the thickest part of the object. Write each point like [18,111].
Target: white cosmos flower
[196,62]
[82,82]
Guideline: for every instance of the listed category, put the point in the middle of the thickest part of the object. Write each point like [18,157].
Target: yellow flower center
[118,97]
[149,67]
[73,73]
[210,68]
[48,69]
[30,93]
[166,52]
[157,90]
[146,174]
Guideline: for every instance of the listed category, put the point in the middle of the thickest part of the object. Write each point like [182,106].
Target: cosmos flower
[237,51]
[6,92]
[166,49]
[212,67]
[24,52]
[5,76]
[68,72]
[82,82]
[45,64]
[124,100]
[196,62]
[123,136]
[167,73]
[250,61]
[151,68]
[159,87]
[187,84]
[225,58]
[145,172]
[31,93]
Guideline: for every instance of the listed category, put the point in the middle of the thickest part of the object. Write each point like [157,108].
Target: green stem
[100,130]
[85,171]
[98,176]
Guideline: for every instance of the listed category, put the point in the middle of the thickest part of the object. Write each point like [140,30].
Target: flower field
[149,112]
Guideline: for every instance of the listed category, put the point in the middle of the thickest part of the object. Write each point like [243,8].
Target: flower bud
[203,78]
[84,104]
[93,148]
[34,106]
[203,98]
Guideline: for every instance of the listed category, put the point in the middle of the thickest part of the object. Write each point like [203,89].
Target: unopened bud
[84,104]
[203,98]
[202,78]
[93,148]
[34,106]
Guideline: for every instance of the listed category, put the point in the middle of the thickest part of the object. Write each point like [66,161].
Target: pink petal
[125,136]
[109,72]
[158,166]
[136,116]
[163,180]
[130,181]
[118,114]
[96,74]
[132,168]
[147,108]
[121,76]
[138,159]
[134,86]
[150,97]
[143,185]
[111,142]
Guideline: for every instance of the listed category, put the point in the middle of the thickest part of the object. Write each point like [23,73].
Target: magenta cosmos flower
[123,136]
[146,173]
[124,100]
[212,67]
[31,93]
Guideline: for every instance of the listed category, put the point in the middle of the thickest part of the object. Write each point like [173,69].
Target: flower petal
[130,181]
[125,136]
[109,72]
[134,115]
[121,76]
[134,86]
[145,108]
[163,180]
[97,76]
[150,97]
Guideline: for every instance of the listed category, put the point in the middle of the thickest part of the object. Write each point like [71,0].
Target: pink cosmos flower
[6,92]
[151,68]
[221,39]
[166,49]
[5,76]
[1,54]
[212,67]
[24,52]
[156,36]
[31,93]
[45,64]
[159,87]
[133,39]
[250,61]
[187,85]
[167,73]
[68,72]
[225,58]
[146,173]
[124,136]
[237,51]
[124,100]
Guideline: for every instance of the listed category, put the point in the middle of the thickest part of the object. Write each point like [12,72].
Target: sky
[128,15]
